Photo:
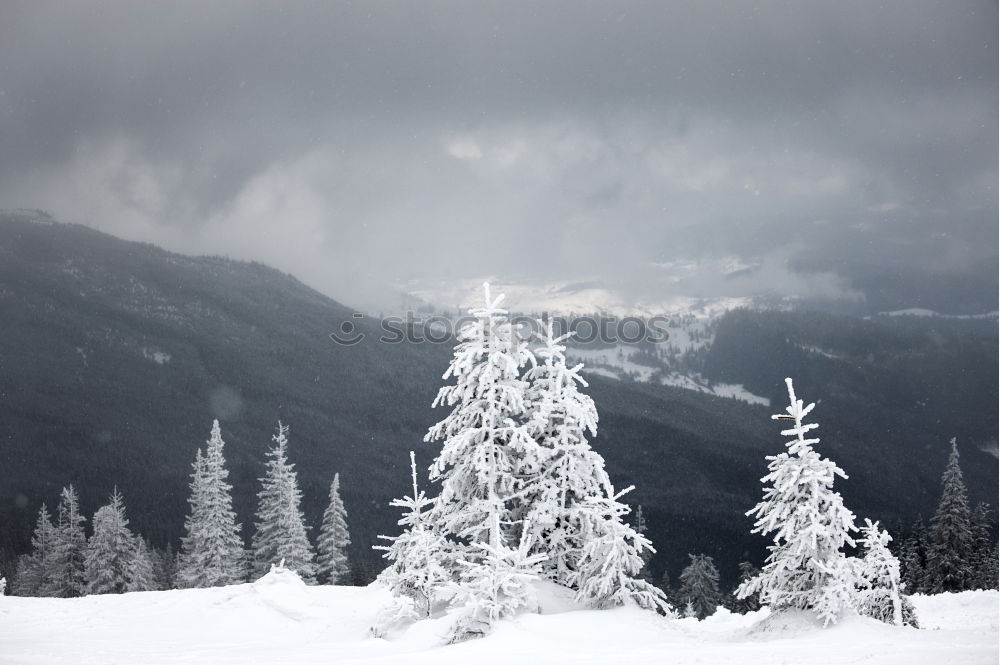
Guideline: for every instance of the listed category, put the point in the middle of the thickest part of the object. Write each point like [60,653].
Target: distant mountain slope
[115,356]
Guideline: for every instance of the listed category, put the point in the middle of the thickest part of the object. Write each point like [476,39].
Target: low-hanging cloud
[831,146]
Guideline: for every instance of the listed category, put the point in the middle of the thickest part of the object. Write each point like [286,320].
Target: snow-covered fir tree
[485,445]
[142,568]
[949,557]
[34,571]
[212,549]
[331,546]
[880,590]
[111,550]
[569,499]
[749,603]
[806,567]
[281,533]
[607,573]
[700,586]
[68,567]
[416,573]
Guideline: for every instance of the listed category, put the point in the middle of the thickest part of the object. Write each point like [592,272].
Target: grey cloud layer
[353,143]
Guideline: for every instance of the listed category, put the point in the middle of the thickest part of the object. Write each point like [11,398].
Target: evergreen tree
[806,567]
[416,572]
[111,550]
[484,439]
[141,570]
[166,568]
[700,586]
[68,570]
[914,559]
[212,549]
[280,527]
[34,572]
[751,602]
[334,538]
[880,594]
[949,560]
[982,548]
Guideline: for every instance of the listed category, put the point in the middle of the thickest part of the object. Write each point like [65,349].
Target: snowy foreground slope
[279,620]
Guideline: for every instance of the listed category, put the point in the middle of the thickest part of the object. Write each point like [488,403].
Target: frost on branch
[806,567]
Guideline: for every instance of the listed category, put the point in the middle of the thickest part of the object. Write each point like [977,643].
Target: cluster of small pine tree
[523,496]
[65,563]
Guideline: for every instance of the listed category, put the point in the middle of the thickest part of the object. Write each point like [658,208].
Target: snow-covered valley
[280,620]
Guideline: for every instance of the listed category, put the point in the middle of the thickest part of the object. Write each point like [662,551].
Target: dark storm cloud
[354,143]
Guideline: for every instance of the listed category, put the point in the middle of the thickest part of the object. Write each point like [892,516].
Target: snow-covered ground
[279,620]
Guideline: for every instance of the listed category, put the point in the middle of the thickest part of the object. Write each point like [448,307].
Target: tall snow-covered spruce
[212,550]
[950,555]
[69,576]
[806,567]
[331,547]
[485,444]
[281,533]
[111,550]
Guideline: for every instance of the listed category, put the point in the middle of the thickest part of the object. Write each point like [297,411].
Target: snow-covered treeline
[65,563]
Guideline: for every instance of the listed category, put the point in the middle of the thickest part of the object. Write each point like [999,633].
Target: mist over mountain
[117,355]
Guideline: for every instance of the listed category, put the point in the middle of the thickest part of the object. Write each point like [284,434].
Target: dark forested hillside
[116,356]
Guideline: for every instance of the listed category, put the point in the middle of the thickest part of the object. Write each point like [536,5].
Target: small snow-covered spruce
[485,443]
[280,527]
[949,556]
[606,573]
[68,574]
[495,585]
[212,549]
[576,519]
[806,567]
[700,585]
[416,571]
[142,570]
[331,546]
[111,550]
[880,592]
[34,571]
[748,603]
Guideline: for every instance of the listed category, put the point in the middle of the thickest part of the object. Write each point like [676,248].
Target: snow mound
[786,623]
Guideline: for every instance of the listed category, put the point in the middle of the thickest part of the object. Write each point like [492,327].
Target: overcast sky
[835,149]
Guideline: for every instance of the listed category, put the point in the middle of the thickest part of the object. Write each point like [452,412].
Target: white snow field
[280,620]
